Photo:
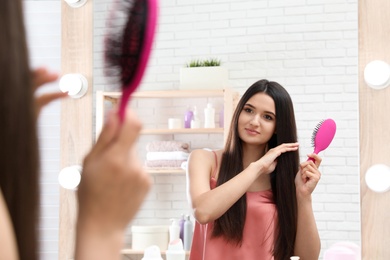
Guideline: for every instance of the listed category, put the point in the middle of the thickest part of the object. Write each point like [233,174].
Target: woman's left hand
[42,76]
[308,176]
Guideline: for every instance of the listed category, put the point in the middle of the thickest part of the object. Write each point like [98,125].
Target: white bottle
[174,230]
[294,258]
[188,232]
[195,122]
[209,116]
[152,253]
[175,250]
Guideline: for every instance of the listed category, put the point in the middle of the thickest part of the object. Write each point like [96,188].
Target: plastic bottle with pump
[152,253]
[181,224]
[174,230]
[175,250]
[188,233]
[195,122]
[188,117]
[209,116]
[222,118]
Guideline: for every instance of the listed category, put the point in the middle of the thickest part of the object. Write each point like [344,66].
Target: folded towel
[163,146]
[164,164]
[172,156]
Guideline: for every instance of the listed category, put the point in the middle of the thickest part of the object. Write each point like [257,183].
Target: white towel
[158,156]
[166,146]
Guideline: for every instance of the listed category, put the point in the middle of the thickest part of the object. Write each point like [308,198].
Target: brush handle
[311,159]
[316,151]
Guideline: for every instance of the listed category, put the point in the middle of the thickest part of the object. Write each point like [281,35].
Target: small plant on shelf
[212,62]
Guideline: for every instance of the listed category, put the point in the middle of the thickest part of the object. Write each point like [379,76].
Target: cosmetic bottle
[175,250]
[195,122]
[222,118]
[181,224]
[174,230]
[209,116]
[188,232]
[152,253]
[188,117]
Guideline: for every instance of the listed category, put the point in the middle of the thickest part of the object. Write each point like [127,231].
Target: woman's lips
[251,131]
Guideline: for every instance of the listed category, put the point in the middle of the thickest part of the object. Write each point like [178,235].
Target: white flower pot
[203,78]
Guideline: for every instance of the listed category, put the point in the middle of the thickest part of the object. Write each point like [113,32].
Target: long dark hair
[18,139]
[231,224]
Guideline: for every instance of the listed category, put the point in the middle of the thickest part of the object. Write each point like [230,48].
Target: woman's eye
[268,117]
[248,110]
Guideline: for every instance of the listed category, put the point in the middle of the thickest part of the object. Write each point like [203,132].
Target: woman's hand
[308,176]
[42,76]
[113,186]
[267,163]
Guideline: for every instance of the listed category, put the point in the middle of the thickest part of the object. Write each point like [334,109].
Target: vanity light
[75,84]
[378,178]
[76,3]
[69,177]
[377,74]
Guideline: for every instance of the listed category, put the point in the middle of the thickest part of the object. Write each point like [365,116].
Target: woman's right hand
[267,163]
[112,188]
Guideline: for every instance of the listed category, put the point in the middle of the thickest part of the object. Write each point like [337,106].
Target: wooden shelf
[170,94]
[183,131]
[165,170]
[230,100]
[129,251]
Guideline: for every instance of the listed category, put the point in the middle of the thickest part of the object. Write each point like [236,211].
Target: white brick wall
[43,20]
[309,46]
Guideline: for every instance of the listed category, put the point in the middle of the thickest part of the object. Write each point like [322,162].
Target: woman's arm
[307,242]
[209,204]
[8,247]
[112,188]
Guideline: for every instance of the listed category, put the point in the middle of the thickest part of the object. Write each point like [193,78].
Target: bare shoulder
[204,155]
[202,160]
[8,245]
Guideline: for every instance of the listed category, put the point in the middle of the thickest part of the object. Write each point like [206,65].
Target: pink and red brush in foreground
[323,135]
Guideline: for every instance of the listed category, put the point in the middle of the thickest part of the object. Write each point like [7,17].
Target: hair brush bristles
[315,131]
[323,135]
[128,44]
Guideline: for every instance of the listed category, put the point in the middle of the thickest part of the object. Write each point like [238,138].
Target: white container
[195,122]
[174,230]
[188,233]
[145,236]
[209,116]
[175,250]
[152,253]
[175,123]
[204,78]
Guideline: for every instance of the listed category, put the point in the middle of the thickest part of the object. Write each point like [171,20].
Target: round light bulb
[76,3]
[75,84]
[378,178]
[377,74]
[70,177]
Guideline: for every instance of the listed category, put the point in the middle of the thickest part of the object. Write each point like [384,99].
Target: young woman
[113,184]
[252,200]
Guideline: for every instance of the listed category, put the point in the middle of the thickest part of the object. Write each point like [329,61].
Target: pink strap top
[258,234]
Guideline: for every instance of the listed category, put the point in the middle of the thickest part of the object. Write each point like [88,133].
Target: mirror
[311,49]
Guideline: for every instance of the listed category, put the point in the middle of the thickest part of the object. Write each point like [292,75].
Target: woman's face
[257,121]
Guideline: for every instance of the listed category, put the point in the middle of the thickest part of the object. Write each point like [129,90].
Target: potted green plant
[203,74]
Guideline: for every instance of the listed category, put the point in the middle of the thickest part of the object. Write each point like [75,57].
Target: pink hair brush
[128,44]
[323,135]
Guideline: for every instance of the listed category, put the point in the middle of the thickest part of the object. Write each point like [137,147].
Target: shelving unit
[230,100]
